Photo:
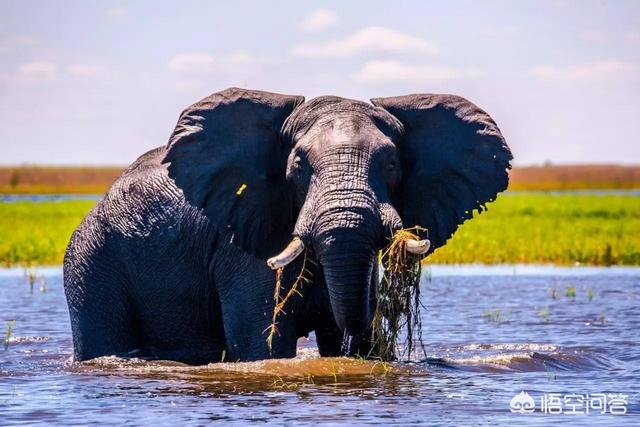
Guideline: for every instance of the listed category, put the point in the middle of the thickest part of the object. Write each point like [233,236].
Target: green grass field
[544,228]
[37,233]
[518,228]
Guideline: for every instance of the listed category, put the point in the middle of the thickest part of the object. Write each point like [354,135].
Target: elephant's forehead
[342,129]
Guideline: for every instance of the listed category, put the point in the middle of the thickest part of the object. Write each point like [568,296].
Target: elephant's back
[144,199]
[143,223]
[124,213]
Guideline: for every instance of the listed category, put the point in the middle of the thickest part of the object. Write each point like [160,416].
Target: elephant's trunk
[348,268]
[348,229]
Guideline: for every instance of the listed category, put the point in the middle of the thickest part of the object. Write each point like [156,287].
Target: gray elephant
[172,262]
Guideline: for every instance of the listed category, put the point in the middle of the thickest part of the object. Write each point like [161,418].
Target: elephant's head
[336,175]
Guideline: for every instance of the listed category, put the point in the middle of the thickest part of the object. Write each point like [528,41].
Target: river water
[566,337]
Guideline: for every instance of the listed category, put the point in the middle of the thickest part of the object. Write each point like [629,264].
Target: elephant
[175,262]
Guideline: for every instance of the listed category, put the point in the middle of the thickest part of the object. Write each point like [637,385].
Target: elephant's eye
[392,172]
[392,166]
[297,165]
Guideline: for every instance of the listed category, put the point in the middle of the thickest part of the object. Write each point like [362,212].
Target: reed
[7,336]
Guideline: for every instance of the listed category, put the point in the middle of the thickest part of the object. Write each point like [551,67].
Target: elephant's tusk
[291,252]
[418,247]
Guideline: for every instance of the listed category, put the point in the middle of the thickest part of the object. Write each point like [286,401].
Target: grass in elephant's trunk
[398,297]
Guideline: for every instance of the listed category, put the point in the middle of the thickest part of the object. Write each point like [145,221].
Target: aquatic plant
[31,278]
[398,299]
[493,316]
[386,367]
[544,314]
[281,384]
[7,337]
[570,291]
[334,372]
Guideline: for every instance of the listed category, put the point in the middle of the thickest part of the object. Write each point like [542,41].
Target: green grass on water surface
[518,228]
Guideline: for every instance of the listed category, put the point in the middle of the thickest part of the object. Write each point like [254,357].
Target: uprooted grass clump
[398,296]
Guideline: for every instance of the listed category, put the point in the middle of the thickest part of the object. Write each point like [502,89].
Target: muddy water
[489,333]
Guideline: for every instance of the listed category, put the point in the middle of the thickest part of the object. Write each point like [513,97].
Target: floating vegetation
[281,384]
[570,291]
[544,314]
[398,297]
[590,294]
[280,301]
[493,316]
[7,337]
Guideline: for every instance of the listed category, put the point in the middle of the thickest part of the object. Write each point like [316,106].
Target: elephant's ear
[454,160]
[227,156]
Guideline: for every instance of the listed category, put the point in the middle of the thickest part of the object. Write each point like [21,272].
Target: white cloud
[366,40]
[38,70]
[593,36]
[198,62]
[117,14]
[11,43]
[188,62]
[632,37]
[381,72]
[189,85]
[319,20]
[590,70]
[86,70]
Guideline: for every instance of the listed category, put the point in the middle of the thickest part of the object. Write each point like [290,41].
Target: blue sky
[101,82]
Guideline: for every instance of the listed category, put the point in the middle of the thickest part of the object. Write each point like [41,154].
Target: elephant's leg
[181,317]
[330,339]
[333,343]
[102,317]
[245,288]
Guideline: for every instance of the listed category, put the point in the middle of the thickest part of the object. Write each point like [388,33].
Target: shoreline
[436,270]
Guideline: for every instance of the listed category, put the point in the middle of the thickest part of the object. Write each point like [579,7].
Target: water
[48,197]
[490,333]
[96,197]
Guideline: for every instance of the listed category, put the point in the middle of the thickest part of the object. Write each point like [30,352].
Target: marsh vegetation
[527,227]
